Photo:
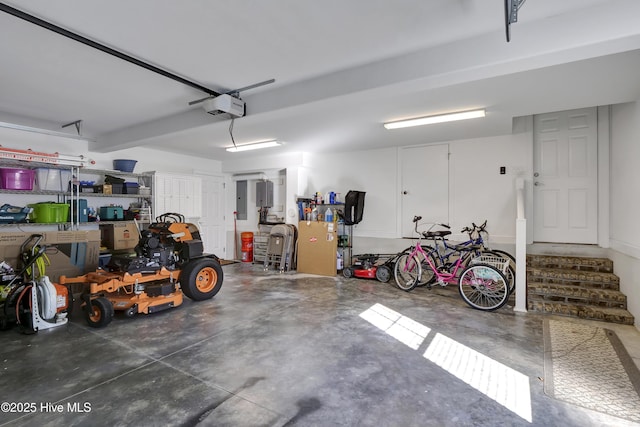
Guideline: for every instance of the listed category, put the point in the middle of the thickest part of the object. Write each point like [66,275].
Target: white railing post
[521,249]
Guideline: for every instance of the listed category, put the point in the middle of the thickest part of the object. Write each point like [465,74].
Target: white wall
[625,201]
[374,172]
[477,190]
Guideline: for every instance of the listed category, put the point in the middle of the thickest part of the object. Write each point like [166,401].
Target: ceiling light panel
[440,118]
[254,146]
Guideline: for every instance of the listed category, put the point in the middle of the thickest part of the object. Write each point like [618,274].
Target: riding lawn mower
[169,262]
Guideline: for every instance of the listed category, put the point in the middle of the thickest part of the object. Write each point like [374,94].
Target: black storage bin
[116,188]
[130,188]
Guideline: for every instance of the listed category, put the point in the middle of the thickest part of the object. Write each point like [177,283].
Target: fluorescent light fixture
[440,118]
[254,146]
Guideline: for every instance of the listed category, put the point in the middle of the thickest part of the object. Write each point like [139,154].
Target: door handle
[405,192]
[537,183]
[536,174]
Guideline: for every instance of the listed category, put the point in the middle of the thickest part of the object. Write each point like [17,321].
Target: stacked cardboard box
[69,253]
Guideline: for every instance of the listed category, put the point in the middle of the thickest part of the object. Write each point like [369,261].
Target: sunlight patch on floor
[506,386]
[402,328]
[499,382]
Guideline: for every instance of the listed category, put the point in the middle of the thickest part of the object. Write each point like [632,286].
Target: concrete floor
[288,349]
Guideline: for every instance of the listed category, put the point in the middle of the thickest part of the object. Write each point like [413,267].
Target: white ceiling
[342,68]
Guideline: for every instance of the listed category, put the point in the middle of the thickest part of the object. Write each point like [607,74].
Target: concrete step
[603,314]
[571,262]
[598,297]
[581,287]
[593,279]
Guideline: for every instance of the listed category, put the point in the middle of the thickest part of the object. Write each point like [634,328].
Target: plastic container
[111,213]
[117,188]
[52,179]
[247,246]
[103,260]
[17,179]
[83,208]
[130,188]
[124,165]
[328,216]
[49,212]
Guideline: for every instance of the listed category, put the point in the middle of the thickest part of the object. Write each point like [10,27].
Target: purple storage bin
[17,179]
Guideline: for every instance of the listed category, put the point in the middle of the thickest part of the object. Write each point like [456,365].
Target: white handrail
[520,198]
[521,249]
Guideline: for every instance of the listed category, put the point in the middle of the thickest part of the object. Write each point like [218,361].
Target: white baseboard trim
[625,248]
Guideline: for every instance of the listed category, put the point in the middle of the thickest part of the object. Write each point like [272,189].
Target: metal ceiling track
[73,36]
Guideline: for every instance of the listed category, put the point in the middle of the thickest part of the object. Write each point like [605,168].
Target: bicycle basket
[484,235]
[497,262]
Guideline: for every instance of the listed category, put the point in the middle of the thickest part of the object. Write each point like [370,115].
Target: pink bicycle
[482,283]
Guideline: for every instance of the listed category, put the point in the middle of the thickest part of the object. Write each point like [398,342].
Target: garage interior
[182,90]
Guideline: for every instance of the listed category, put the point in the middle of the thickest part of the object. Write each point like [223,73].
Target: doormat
[227,261]
[588,366]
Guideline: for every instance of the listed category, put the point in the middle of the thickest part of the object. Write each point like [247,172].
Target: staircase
[579,287]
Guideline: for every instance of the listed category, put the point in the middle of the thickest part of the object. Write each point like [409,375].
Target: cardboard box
[317,248]
[105,189]
[70,253]
[119,236]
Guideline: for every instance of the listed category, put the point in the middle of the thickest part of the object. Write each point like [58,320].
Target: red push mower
[371,266]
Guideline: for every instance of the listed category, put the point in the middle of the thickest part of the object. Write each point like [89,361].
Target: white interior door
[212,221]
[565,192]
[425,185]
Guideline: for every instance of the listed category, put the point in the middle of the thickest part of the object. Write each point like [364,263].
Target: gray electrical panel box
[264,194]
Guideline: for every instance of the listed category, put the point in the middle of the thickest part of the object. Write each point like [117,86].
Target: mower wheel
[100,313]
[383,273]
[131,311]
[347,272]
[201,278]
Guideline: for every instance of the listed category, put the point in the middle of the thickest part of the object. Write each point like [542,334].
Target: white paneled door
[565,191]
[425,185]
[177,193]
[211,223]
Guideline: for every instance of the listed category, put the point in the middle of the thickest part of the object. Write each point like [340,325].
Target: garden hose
[41,264]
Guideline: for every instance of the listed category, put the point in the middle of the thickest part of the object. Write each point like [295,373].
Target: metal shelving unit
[144,179]
[62,196]
[73,194]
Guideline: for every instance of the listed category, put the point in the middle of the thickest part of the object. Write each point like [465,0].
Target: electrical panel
[264,194]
